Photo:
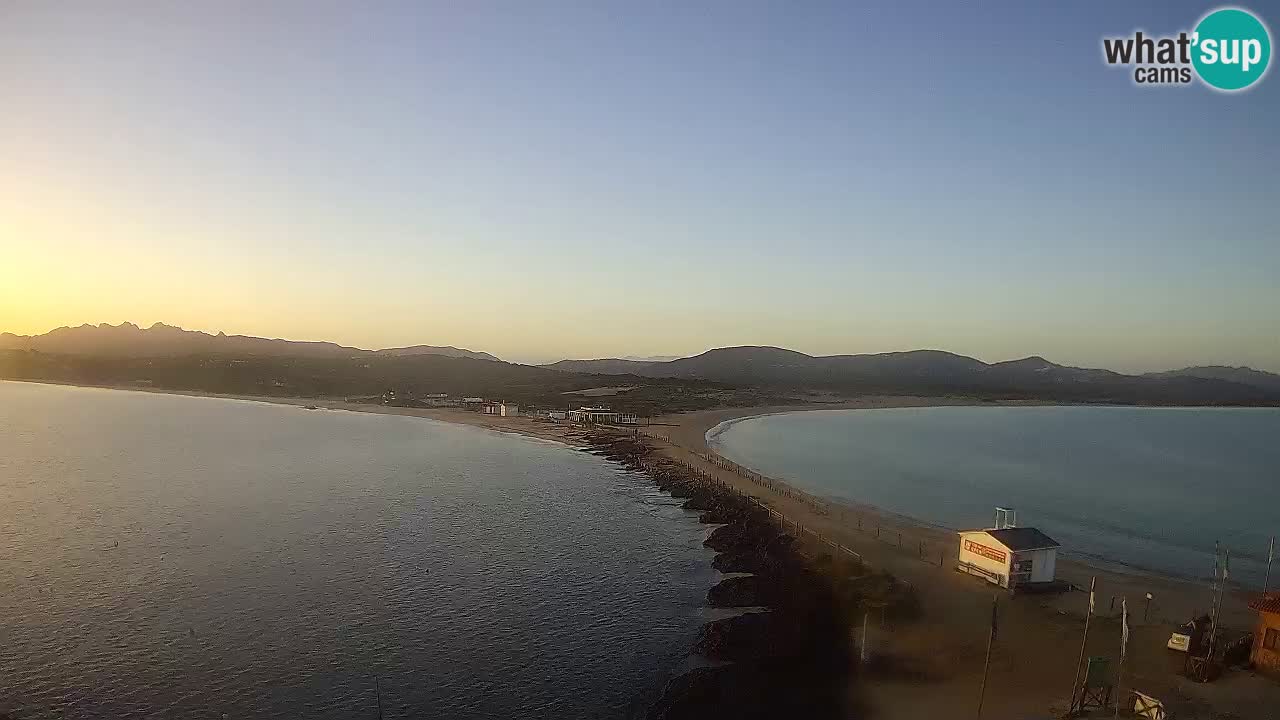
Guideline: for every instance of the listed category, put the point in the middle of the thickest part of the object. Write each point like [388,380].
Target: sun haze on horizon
[605,179]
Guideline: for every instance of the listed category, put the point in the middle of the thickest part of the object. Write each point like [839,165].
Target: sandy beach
[935,663]
[1040,635]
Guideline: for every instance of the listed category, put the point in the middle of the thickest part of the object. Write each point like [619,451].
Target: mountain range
[129,340]
[936,371]
[918,372]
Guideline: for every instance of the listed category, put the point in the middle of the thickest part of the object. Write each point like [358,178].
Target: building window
[1271,640]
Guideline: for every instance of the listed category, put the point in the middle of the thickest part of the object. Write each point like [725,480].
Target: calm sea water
[1151,488]
[166,556]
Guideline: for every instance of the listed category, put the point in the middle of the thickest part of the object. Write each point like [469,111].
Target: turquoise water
[165,556]
[1150,488]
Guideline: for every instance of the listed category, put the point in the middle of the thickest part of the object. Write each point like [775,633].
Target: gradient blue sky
[587,179]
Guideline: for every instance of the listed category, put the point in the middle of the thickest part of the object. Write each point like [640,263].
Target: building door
[1021,571]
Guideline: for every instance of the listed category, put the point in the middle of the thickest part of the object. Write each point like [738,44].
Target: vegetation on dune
[410,377]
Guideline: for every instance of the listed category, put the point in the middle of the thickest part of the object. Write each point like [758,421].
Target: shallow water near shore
[175,556]
[1144,488]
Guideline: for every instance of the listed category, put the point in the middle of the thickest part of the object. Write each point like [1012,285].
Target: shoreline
[947,643]
[702,423]
[688,430]
[942,649]
[1097,563]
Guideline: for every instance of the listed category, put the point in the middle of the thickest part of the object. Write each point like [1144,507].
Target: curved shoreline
[932,659]
[1096,560]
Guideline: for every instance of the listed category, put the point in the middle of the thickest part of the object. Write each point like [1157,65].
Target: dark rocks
[791,661]
[736,592]
[753,636]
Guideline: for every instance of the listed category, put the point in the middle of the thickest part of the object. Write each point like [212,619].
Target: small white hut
[1008,555]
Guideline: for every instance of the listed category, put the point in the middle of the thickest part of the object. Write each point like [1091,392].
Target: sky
[549,179]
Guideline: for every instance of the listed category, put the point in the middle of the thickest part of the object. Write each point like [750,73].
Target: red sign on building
[987,552]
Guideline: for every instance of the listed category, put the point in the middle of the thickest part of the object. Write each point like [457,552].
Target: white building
[602,416]
[1007,555]
[502,409]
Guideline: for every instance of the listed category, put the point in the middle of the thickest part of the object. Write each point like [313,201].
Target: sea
[1149,489]
[170,556]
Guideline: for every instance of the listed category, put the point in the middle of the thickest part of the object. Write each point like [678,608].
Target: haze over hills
[1244,375]
[129,340]
[936,371]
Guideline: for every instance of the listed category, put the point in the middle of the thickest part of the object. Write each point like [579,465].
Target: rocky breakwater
[795,657]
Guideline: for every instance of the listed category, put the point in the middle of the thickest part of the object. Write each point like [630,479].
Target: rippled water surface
[166,556]
[1145,487]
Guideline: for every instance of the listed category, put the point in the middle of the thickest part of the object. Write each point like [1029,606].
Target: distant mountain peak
[1032,362]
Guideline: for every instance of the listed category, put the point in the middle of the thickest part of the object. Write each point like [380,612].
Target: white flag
[1271,549]
[1090,599]
[1124,628]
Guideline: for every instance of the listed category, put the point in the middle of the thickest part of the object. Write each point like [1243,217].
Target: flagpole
[991,639]
[1271,552]
[1124,642]
[1075,683]
[1217,601]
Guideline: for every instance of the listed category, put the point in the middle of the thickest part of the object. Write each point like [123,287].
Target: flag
[1226,565]
[1271,549]
[1124,628]
[1090,598]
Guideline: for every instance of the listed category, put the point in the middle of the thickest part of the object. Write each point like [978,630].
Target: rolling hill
[935,372]
[1243,375]
[173,357]
[606,366]
[159,340]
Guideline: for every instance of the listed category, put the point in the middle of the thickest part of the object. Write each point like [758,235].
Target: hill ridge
[129,340]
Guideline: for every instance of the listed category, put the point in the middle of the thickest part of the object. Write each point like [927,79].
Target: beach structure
[472,401]
[602,416]
[502,409]
[1265,655]
[1008,555]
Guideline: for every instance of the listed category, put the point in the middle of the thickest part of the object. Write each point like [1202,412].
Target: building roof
[1267,603]
[1019,539]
